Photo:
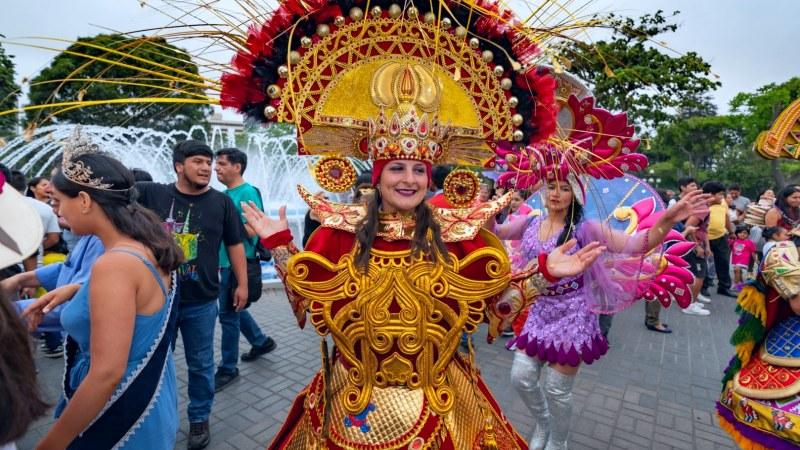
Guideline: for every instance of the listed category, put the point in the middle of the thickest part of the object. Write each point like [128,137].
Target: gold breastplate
[400,323]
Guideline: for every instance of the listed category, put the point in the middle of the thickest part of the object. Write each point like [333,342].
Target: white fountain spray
[273,165]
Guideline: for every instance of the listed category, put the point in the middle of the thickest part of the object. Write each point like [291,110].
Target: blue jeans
[232,324]
[52,339]
[196,324]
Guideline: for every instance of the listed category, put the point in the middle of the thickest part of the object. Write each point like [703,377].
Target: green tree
[108,67]
[9,93]
[721,147]
[705,147]
[628,72]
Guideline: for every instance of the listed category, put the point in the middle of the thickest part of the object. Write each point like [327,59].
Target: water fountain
[273,166]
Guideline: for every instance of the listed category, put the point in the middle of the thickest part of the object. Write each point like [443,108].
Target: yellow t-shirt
[716,220]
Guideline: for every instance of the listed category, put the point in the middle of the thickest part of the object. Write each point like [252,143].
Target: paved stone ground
[651,391]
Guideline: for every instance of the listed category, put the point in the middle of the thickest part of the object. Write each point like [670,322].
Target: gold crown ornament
[782,140]
[407,137]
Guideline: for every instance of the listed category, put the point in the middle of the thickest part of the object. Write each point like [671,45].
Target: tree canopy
[630,71]
[720,147]
[9,94]
[109,66]
[667,96]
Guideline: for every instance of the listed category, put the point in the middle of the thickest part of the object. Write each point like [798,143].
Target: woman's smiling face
[402,185]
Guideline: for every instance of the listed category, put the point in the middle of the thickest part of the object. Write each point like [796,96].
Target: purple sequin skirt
[560,329]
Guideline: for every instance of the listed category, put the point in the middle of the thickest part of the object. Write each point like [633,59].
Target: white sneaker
[703,298]
[696,309]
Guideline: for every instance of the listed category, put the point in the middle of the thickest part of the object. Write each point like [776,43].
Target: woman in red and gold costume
[395,290]
[394,282]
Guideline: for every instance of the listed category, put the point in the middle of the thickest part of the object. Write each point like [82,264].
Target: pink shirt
[741,251]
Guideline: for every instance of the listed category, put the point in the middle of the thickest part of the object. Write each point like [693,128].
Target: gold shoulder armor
[457,224]
[340,216]
[465,223]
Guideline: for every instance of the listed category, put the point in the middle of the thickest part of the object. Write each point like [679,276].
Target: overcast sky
[749,43]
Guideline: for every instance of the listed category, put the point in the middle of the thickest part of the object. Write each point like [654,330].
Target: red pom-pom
[542,87]
[238,91]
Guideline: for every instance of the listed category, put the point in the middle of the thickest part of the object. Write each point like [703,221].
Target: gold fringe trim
[744,351]
[743,442]
[754,303]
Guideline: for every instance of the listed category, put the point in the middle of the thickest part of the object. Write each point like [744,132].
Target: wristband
[277,239]
[543,269]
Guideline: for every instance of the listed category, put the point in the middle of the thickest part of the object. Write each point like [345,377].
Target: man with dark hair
[230,166]
[740,202]
[18,181]
[201,219]
[685,184]
[719,225]
[688,184]
[438,175]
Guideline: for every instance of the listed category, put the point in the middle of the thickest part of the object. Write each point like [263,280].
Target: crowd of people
[140,243]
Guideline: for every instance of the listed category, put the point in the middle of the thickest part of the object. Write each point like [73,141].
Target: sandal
[664,330]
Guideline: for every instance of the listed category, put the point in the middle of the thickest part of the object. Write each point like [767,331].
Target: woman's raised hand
[263,225]
[694,203]
[560,264]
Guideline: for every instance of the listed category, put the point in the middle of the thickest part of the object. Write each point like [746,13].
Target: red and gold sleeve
[327,243]
[282,248]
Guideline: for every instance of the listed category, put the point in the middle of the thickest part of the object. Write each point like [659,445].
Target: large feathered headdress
[441,82]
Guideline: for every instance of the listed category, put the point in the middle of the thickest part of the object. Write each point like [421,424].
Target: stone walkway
[651,391]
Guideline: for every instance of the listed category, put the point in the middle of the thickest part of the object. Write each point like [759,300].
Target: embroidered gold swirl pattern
[399,323]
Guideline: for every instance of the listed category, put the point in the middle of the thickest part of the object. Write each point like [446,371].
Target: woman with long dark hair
[561,330]
[38,189]
[119,384]
[786,212]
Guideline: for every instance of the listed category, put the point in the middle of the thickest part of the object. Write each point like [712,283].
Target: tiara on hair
[76,171]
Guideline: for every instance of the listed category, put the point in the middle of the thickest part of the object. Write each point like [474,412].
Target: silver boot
[558,389]
[525,372]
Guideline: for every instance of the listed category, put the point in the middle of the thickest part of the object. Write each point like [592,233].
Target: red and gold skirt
[398,418]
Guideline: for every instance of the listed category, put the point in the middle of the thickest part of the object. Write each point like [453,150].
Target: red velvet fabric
[277,239]
[440,201]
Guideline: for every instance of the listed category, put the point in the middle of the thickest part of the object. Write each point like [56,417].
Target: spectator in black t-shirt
[201,219]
